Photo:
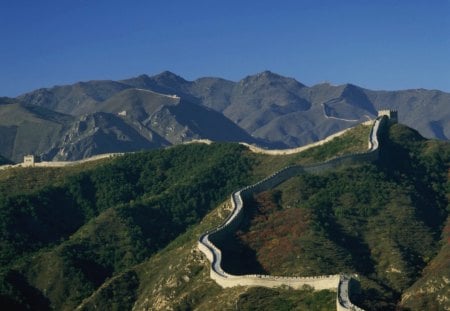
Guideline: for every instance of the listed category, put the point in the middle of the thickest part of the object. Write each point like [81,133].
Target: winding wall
[339,282]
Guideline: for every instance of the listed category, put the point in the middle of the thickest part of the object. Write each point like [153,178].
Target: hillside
[146,198]
[97,222]
[100,133]
[125,232]
[381,221]
[77,99]
[172,118]
[29,129]
[131,120]
[148,112]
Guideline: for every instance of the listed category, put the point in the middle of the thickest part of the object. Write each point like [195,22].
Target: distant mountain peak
[269,77]
[349,89]
[266,74]
[350,86]
[143,76]
[271,107]
[163,76]
[169,76]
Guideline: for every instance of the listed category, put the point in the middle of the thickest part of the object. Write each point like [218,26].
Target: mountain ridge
[272,110]
[122,233]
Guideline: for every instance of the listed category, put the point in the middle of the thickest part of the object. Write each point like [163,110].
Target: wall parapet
[338,282]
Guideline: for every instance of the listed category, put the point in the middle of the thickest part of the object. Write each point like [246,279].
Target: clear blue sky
[374,44]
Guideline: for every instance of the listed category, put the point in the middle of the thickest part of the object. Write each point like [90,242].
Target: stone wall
[257,149]
[343,302]
[207,241]
[62,163]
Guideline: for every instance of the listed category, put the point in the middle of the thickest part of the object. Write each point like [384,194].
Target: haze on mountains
[87,118]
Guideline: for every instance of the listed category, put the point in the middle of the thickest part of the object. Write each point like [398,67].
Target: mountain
[100,133]
[4,160]
[122,233]
[79,98]
[174,118]
[266,109]
[30,129]
[26,129]
[423,110]
[125,120]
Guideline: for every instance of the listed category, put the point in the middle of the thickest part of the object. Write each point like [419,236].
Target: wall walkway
[207,242]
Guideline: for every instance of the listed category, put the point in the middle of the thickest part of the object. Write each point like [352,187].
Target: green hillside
[92,224]
[123,232]
[177,278]
[383,221]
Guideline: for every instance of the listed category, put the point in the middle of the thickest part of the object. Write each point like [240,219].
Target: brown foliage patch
[274,232]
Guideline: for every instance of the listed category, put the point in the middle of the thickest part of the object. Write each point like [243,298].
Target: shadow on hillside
[403,155]
[24,294]
[356,247]
[238,258]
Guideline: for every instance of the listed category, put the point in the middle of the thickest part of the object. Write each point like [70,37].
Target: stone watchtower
[391,114]
[30,160]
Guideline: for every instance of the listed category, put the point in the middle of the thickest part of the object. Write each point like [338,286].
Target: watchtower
[30,160]
[391,114]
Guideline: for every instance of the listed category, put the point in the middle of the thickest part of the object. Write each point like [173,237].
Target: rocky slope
[130,120]
[265,108]
[29,129]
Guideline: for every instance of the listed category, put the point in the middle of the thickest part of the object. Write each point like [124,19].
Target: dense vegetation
[381,221]
[95,223]
[178,278]
[285,300]
[122,233]
[354,141]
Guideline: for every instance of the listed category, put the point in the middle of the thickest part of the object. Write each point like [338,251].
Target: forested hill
[73,230]
[384,222]
[122,233]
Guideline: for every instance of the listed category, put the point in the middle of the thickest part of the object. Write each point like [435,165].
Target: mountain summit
[265,108]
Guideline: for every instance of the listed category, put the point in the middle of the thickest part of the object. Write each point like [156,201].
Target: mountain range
[86,118]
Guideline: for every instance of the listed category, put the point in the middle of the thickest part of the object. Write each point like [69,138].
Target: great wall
[338,282]
[31,161]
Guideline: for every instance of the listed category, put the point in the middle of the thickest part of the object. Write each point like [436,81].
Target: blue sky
[374,44]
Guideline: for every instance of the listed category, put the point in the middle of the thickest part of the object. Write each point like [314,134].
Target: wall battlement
[34,161]
[391,114]
[31,160]
[339,282]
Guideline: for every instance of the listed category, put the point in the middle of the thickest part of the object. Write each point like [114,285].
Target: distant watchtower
[30,160]
[391,114]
